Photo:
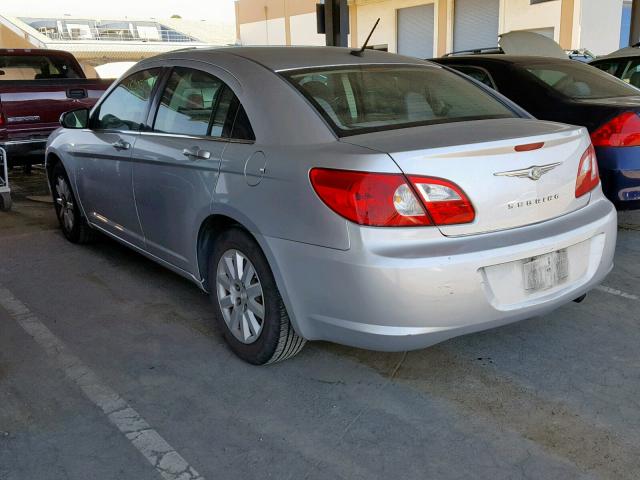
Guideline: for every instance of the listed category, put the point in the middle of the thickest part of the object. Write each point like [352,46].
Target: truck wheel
[247,304]
[73,224]
[5,201]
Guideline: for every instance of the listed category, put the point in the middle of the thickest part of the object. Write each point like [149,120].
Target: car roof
[623,52]
[514,59]
[288,58]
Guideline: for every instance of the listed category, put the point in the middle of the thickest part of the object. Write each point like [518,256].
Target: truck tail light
[588,176]
[391,200]
[621,131]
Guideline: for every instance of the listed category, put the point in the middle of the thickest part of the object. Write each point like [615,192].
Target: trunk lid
[530,43]
[479,156]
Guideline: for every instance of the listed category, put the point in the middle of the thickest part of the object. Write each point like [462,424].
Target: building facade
[428,28]
[96,42]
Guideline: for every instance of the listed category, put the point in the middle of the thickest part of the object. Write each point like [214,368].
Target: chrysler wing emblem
[532,173]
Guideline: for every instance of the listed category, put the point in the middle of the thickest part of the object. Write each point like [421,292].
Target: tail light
[446,203]
[621,131]
[588,176]
[388,199]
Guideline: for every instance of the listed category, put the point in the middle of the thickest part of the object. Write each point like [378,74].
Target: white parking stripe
[169,463]
[619,293]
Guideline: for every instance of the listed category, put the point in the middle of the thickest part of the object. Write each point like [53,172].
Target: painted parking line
[616,292]
[164,458]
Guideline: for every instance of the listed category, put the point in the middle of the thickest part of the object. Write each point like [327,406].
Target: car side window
[222,121]
[188,102]
[613,67]
[631,73]
[126,106]
[477,73]
[242,126]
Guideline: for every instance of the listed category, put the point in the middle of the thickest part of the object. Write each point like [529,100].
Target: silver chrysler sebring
[372,200]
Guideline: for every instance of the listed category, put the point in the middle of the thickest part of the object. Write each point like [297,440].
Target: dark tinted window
[576,80]
[360,99]
[126,106]
[613,67]
[223,119]
[476,73]
[187,102]
[242,126]
[631,73]
[35,67]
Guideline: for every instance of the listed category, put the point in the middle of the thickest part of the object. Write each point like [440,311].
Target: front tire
[73,224]
[247,304]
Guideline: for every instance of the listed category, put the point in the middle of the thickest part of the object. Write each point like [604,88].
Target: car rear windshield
[367,98]
[35,67]
[576,80]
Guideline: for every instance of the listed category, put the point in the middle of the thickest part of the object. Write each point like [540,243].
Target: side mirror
[75,118]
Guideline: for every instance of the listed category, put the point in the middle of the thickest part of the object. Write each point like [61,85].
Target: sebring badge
[532,173]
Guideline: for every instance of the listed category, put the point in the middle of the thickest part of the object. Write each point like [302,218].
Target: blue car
[562,90]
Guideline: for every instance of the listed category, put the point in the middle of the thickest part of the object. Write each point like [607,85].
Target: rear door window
[477,73]
[366,98]
[612,67]
[127,105]
[188,102]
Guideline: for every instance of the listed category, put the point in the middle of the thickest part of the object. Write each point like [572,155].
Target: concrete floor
[555,397]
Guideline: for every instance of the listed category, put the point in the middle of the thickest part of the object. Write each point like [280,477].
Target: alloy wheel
[240,296]
[64,201]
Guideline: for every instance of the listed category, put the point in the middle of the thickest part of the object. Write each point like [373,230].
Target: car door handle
[196,153]
[121,145]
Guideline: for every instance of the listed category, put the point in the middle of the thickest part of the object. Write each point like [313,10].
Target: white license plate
[545,271]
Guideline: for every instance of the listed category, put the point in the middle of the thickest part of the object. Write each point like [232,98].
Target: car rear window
[362,99]
[579,81]
[35,67]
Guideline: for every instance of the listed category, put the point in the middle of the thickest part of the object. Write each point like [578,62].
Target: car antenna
[359,53]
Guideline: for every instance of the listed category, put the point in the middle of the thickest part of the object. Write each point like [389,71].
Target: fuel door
[254,168]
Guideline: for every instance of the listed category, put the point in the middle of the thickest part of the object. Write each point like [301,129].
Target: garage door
[475,24]
[415,31]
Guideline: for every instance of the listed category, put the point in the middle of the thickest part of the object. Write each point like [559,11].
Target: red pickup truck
[36,87]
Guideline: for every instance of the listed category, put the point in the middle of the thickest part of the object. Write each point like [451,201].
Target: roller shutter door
[475,24]
[415,31]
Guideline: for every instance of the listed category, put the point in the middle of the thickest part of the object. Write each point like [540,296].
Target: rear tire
[265,340]
[72,222]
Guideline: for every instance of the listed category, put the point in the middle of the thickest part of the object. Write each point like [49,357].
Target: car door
[105,174]
[176,163]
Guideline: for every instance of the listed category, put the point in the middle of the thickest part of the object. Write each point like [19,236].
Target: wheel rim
[64,202]
[240,296]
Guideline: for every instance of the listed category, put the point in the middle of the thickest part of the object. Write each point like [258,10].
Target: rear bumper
[620,173]
[17,150]
[394,291]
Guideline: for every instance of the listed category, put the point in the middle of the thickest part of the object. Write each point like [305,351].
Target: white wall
[304,30]
[270,32]
[521,15]
[600,22]
[386,31]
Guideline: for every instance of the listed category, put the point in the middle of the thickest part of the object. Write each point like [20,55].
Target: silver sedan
[377,201]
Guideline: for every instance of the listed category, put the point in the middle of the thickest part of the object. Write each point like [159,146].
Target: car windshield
[361,99]
[576,80]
